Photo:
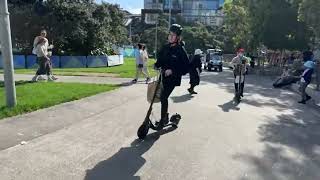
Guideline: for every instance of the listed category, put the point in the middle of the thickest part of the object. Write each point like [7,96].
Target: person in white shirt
[145,63]
[240,67]
[43,59]
[42,51]
[139,54]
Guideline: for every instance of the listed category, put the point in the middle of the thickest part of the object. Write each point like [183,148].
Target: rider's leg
[166,91]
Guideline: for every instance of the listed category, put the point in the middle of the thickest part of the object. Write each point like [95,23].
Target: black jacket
[176,59]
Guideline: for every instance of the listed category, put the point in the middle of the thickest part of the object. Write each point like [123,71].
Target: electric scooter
[147,123]
[238,93]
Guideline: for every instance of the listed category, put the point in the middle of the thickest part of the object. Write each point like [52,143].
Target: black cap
[176,28]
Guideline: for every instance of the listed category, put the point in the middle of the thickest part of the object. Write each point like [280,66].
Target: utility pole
[6,49]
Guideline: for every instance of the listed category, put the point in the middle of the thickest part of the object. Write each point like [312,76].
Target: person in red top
[239,70]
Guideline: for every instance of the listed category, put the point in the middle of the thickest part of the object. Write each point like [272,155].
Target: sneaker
[134,81]
[302,102]
[164,121]
[192,91]
[35,78]
[41,78]
[308,98]
[50,78]
[54,78]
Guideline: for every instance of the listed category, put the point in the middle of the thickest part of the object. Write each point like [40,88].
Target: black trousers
[236,85]
[165,93]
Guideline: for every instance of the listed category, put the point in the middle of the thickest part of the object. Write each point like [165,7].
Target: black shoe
[134,81]
[241,94]
[308,98]
[302,102]
[163,121]
[147,80]
[193,92]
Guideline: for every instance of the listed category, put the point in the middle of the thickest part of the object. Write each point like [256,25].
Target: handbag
[154,90]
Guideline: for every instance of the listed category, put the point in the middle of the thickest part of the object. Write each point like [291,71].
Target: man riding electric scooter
[239,70]
[173,62]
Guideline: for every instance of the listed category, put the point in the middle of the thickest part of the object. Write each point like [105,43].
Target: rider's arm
[159,62]
[234,61]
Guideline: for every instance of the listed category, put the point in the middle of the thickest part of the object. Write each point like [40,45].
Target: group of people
[41,50]
[174,63]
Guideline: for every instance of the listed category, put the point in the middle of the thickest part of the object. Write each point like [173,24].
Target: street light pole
[170,3]
[156,40]
[6,49]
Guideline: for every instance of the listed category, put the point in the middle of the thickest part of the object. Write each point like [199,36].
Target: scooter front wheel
[143,130]
[237,98]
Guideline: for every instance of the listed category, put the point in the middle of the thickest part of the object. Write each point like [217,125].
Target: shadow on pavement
[231,105]
[291,147]
[127,161]
[17,83]
[291,139]
[183,98]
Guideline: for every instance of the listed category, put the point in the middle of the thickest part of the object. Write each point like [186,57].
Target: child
[305,81]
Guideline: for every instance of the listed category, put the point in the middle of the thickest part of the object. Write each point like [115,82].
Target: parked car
[214,60]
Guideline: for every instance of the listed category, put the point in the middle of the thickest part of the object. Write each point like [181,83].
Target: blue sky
[133,6]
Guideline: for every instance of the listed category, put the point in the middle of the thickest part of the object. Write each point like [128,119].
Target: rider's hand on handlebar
[168,72]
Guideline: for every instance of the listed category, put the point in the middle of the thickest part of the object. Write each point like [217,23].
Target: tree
[78,27]
[252,23]
[236,25]
[309,12]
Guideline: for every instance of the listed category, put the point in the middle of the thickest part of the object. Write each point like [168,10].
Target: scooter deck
[174,121]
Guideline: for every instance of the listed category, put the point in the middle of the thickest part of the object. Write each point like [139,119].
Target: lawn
[127,70]
[34,96]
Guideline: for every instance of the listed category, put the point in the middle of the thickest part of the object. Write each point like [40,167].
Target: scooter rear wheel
[143,130]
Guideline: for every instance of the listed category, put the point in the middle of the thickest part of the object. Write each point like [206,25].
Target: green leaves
[309,12]
[76,27]
[252,23]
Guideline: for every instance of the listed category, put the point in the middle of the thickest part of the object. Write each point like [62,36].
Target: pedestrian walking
[139,55]
[305,81]
[41,49]
[195,70]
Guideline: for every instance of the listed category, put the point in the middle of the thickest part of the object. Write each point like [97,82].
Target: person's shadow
[127,161]
[183,98]
[231,105]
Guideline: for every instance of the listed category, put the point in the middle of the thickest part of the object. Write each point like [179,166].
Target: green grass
[34,96]
[127,70]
